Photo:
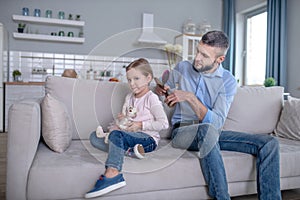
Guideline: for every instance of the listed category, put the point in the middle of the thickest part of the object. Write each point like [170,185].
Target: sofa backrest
[88,102]
[255,109]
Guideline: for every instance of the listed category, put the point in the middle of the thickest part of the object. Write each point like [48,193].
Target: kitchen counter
[24,83]
[18,91]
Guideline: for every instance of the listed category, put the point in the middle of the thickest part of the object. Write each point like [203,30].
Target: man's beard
[203,68]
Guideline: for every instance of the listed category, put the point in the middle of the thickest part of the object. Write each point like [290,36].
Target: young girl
[141,134]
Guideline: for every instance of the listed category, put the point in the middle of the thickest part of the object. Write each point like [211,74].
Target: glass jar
[61,15]
[25,11]
[48,14]
[189,27]
[37,12]
[81,34]
[204,27]
[70,34]
[61,33]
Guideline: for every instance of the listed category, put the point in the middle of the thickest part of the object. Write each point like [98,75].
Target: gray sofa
[34,171]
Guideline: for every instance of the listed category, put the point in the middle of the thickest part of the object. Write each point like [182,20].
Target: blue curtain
[229,29]
[276,62]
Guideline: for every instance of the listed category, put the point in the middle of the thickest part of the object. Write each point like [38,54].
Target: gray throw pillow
[289,122]
[56,128]
[255,109]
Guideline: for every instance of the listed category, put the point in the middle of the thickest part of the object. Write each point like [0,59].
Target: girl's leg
[121,141]
[98,142]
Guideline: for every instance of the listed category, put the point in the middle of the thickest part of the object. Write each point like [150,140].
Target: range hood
[148,35]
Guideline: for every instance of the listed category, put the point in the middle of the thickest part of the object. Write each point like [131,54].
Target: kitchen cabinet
[18,91]
[48,22]
[189,44]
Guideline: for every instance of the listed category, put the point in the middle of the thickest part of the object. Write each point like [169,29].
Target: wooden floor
[286,195]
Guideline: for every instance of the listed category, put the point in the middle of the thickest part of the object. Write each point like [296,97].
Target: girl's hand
[134,126]
[113,127]
[120,116]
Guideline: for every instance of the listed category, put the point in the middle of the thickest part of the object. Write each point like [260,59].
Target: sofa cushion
[79,167]
[89,102]
[289,157]
[289,122]
[162,170]
[255,109]
[56,126]
[81,164]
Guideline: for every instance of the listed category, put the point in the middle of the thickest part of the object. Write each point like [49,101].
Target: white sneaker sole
[105,190]
[137,151]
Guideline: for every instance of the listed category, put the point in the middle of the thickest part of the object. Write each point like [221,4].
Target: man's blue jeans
[119,142]
[208,141]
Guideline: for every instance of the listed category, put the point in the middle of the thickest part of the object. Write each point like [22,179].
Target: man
[202,93]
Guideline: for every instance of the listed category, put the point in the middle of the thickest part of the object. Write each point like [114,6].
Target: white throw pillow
[289,123]
[56,128]
[255,109]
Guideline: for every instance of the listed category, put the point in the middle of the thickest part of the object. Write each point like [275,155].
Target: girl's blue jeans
[118,143]
[208,141]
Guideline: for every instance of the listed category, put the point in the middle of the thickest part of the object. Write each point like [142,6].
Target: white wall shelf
[27,36]
[49,21]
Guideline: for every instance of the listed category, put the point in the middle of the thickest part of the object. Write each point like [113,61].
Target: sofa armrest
[24,129]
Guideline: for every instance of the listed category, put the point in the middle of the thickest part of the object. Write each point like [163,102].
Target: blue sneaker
[105,185]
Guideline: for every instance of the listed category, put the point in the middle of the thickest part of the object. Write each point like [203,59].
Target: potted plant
[21,27]
[17,75]
[269,82]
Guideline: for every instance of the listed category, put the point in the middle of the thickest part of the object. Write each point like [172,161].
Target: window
[256,44]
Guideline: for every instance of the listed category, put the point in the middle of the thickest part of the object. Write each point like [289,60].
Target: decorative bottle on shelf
[77,17]
[204,27]
[189,27]
[25,11]
[87,75]
[61,15]
[90,73]
[37,12]
[81,34]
